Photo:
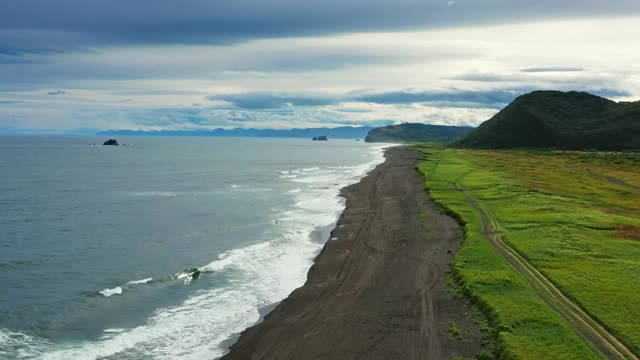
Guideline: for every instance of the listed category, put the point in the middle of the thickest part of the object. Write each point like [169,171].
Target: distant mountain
[416,132]
[562,120]
[344,132]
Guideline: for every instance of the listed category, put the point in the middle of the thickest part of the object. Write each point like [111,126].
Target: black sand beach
[379,290]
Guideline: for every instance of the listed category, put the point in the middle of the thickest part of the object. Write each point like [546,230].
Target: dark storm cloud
[60,25]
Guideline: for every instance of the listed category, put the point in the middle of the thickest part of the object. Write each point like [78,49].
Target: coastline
[378,287]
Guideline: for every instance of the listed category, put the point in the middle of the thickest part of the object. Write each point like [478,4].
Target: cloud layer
[57,25]
[284,63]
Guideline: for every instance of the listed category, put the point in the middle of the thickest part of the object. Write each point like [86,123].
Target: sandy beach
[378,288]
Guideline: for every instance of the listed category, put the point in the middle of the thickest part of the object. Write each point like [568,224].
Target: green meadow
[574,216]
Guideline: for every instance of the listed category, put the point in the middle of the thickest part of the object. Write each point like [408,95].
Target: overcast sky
[68,65]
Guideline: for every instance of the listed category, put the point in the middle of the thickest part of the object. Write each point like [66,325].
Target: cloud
[551,69]
[486,99]
[56,92]
[453,98]
[477,99]
[273,100]
[44,25]
[607,93]
[355,78]
[300,117]
[491,99]
[545,78]
[255,60]
[379,61]
[486,77]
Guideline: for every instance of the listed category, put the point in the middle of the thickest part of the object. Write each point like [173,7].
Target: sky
[80,66]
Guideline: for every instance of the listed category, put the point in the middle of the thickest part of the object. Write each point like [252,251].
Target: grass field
[574,217]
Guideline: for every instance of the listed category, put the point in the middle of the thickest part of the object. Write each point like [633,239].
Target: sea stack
[112,142]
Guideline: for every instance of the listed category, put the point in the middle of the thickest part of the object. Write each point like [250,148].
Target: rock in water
[193,272]
[111,142]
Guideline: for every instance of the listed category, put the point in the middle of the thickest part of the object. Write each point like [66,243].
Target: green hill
[416,132]
[562,120]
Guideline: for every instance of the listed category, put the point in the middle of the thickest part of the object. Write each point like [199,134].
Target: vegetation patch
[454,331]
[487,332]
[484,355]
[572,215]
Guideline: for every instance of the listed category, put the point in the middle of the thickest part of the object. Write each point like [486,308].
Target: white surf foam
[110,292]
[136,282]
[297,171]
[267,271]
[235,257]
[118,290]
[19,345]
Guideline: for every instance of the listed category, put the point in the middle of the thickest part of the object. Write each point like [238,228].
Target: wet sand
[379,290]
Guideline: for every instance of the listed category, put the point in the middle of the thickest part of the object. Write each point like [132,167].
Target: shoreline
[379,289]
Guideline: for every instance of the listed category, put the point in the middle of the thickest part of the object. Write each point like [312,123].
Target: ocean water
[95,240]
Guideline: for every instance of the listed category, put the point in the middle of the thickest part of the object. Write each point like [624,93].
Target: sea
[163,247]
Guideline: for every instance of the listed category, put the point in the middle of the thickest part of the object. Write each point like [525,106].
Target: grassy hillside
[573,216]
[416,133]
[561,120]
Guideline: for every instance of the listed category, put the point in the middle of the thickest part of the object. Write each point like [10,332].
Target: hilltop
[411,132]
[561,120]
